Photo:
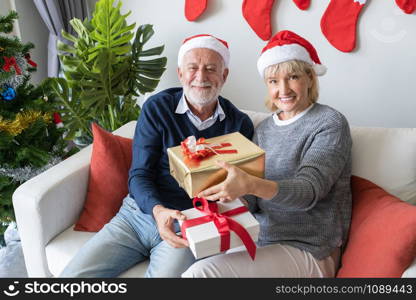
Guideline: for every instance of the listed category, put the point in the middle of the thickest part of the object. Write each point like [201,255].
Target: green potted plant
[105,70]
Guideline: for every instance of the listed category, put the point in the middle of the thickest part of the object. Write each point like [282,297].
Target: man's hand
[164,219]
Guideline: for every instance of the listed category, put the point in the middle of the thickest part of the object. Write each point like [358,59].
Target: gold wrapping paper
[249,158]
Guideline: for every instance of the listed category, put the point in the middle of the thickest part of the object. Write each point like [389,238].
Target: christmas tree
[30,132]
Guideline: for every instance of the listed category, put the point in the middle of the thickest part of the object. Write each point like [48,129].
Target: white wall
[4,7]
[32,29]
[372,86]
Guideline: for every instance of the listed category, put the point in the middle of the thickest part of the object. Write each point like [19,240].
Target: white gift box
[204,239]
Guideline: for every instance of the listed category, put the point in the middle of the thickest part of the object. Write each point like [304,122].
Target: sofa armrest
[51,202]
[48,204]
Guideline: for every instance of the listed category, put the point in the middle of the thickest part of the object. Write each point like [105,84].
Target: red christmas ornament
[194,8]
[408,6]
[57,120]
[339,22]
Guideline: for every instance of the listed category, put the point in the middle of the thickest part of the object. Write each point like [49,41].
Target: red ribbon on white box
[223,222]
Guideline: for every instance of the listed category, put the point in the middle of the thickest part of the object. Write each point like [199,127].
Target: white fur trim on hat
[208,42]
[284,53]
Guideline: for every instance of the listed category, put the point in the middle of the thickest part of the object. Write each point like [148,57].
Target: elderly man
[146,225]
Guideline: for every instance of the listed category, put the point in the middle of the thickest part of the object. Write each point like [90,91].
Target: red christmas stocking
[257,14]
[408,6]
[194,8]
[302,4]
[338,24]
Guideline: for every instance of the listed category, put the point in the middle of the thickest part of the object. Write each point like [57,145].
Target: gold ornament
[22,121]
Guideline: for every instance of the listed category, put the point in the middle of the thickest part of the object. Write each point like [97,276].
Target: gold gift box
[193,179]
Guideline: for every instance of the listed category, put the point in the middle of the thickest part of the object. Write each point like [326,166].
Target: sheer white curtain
[56,14]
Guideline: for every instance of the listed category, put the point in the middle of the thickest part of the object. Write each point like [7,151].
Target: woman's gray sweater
[311,161]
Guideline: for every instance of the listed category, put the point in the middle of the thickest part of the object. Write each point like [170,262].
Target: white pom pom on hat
[285,46]
[205,41]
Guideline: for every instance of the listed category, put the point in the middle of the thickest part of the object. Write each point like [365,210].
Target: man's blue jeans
[129,238]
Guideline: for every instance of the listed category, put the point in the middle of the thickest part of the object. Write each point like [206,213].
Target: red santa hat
[287,45]
[205,41]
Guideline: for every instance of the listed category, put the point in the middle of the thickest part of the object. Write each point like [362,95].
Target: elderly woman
[304,203]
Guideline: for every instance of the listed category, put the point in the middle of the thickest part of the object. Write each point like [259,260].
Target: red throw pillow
[107,185]
[382,238]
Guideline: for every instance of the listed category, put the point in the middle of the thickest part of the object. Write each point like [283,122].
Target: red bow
[223,222]
[29,61]
[196,150]
[11,62]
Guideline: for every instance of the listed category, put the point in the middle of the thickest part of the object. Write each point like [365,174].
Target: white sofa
[48,205]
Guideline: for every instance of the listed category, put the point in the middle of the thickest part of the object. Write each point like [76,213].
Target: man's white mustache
[201,84]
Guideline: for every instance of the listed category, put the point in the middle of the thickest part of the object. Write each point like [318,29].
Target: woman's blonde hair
[296,67]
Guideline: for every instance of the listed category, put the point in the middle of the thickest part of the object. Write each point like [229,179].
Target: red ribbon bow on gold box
[196,150]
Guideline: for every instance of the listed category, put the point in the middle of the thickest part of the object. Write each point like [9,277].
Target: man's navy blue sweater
[159,128]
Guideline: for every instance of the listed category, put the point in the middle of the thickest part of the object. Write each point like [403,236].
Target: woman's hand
[236,184]
[239,183]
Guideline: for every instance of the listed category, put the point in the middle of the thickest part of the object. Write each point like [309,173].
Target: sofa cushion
[107,184]
[383,156]
[382,238]
[64,246]
[256,117]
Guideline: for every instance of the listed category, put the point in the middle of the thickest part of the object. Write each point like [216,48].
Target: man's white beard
[201,98]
